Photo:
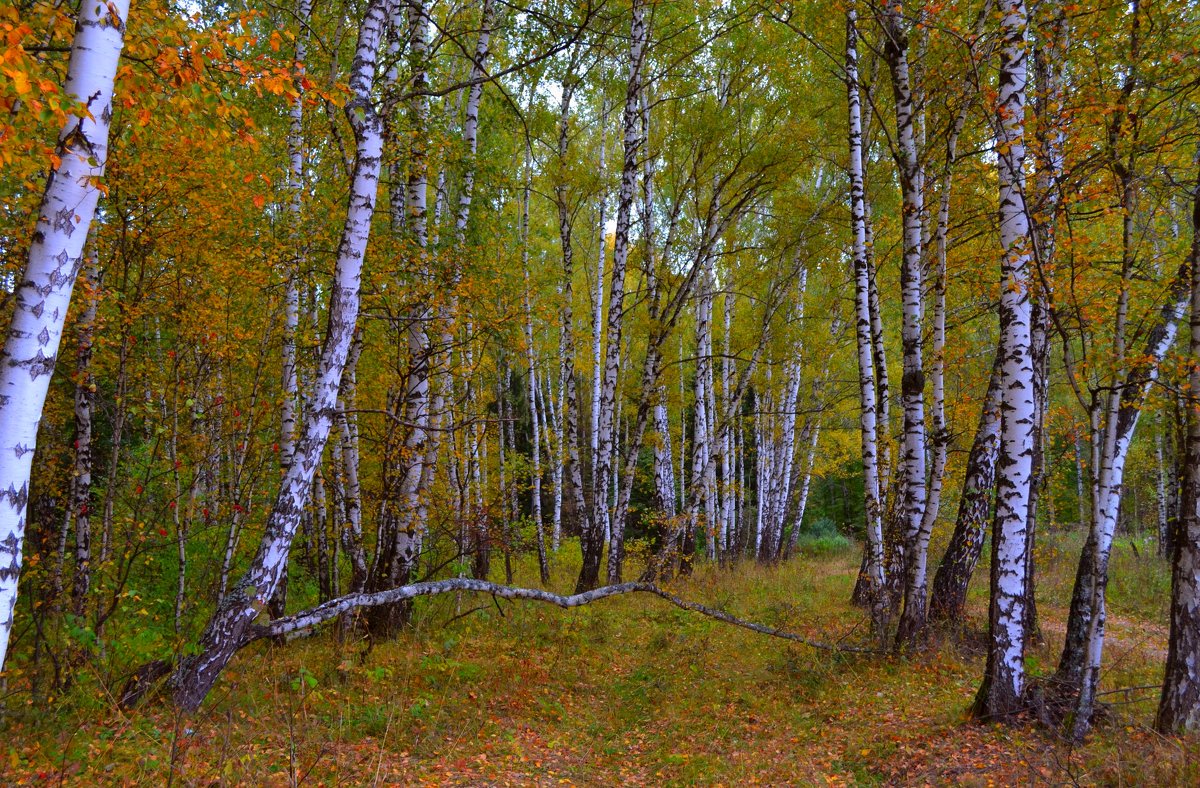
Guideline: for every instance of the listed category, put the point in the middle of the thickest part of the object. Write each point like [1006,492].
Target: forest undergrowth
[631,691]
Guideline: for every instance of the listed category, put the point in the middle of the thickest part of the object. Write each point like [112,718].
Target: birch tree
[1000,695]
[631,122]
[869,440]
[291,325]
[81,480]
[1179,703]
[228,626]
[43,294]
[912,385]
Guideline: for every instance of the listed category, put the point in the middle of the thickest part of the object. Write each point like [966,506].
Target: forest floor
[630,691]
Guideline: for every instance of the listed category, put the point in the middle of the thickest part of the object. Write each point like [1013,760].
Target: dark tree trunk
[949,596]
[1179,706]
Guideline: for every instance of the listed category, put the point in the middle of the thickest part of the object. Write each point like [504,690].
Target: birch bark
[44,292]
[598,309]
[228,627]
[1000,695]
[912,384]
[566,352]
[531,360]
[1088,618]
[291,323]
[631,121]
[869,440]
[81,482]
[399,542]
[664,468]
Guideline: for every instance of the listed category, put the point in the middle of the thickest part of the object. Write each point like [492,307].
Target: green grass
[627,691]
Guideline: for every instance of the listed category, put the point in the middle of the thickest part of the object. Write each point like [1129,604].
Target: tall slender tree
[1000,695]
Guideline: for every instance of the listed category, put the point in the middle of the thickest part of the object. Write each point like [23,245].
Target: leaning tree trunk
[1000,695]
[1122,416]
[228,628]
[55,254]
[1084,647]
[1179,706]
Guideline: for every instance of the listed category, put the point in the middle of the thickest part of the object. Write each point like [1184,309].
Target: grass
[628,691]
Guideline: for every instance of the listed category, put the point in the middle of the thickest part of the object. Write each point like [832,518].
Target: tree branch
[315,616]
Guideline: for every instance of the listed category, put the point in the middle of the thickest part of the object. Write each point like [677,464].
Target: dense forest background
[375,301]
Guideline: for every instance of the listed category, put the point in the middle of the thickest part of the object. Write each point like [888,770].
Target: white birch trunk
[810,463]
[725,434]
[1160,493]
[664,469]
[227,629]
[291,323]
[81,482]
[531,360]
[912,384]
[863,333]
[1118,433]
[598,311]
[569,408]
[471,123]
[1000,695]
[552,428]
[616,293]
[403,527]
[698,495]
[350,520]
[41,299]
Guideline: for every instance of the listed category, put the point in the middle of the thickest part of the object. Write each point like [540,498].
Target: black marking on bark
[40,365]
[64,221]
[913,382]
[16,498]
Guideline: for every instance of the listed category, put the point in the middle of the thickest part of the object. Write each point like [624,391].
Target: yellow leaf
[20,81]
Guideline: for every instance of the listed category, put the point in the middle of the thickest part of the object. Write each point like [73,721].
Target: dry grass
[629,691]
